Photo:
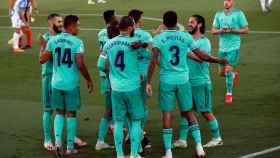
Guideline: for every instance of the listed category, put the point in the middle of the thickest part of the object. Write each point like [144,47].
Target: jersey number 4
[66,59]
[119,61]
[175,57]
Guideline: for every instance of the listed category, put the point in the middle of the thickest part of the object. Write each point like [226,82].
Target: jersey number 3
[66,57]
[175,57]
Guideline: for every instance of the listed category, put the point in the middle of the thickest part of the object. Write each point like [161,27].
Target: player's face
[192,25]
[57,24]
[76,28]
[228,4]
[131,30]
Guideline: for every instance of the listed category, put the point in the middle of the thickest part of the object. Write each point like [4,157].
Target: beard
[193,31]
[57,29]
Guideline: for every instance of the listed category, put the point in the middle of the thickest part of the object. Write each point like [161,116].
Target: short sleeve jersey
[235,19]
[47,67]
[123,71]
[102,40]
[64,48]
[174,47]
[199,71]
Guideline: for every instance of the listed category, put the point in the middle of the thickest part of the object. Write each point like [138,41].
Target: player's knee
[71,114]
[167,120]
[208,116]
[18,30]
[60,112]
[222,72]
[228,68]
[189,116]
[108,113]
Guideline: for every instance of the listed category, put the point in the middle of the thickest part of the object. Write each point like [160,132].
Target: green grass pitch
[249,125]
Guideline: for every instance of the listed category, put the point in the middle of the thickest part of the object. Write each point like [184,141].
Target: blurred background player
[266,5]
[127,101]
[98,1]
[109,17]
[20,12]
[144,58]
[229,24]
[201,85]
[16,10]
[66,51]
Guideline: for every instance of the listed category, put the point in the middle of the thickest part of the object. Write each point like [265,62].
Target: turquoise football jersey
[47,67]
[144,55]
[235,20]
[123,71]
[64,48]
[102,40]
[174,47]
[199,71]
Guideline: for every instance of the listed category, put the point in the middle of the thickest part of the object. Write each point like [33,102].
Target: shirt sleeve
[81,48]
[242,20]
[216,23]
[191,44]
[49,46]
[156,42]
[102,61]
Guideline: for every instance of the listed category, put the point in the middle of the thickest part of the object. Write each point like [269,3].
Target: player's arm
[42,42]
[208,58]
[243,30]
[83,70]
[151,69]
[194,57]
[45,56]
[216,31]
[35,6]
[102,62]
[11,5]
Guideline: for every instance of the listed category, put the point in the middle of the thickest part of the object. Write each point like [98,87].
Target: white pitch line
[181,27]
[266,151]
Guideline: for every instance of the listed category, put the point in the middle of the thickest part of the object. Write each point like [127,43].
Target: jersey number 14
[66,59]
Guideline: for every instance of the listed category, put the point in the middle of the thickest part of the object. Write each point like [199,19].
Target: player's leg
[167,104]
[119,113]
[58,105]
[27,31]
[203,104]
[263,5]
[47,112]
[184,95]
[16,23]
[183,134]
[136,114]
[231,74]
[91,2]
[101,1]
[105,120]
[72,105]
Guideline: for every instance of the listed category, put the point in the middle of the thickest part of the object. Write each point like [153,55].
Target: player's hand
[90,86]
[149,90]
[137,45]
[223,61]
[36,11]
[160,28]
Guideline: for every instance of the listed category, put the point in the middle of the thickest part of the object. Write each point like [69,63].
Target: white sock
[263,2]
[16,37]
[270,2]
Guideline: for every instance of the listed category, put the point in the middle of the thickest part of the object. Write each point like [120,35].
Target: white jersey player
[266,5]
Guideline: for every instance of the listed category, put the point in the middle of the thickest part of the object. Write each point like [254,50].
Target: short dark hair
[135,14]
[108,16]
[200,20]
[113,29]
[70,20]
[170,18]
[125,22]
[51,16]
